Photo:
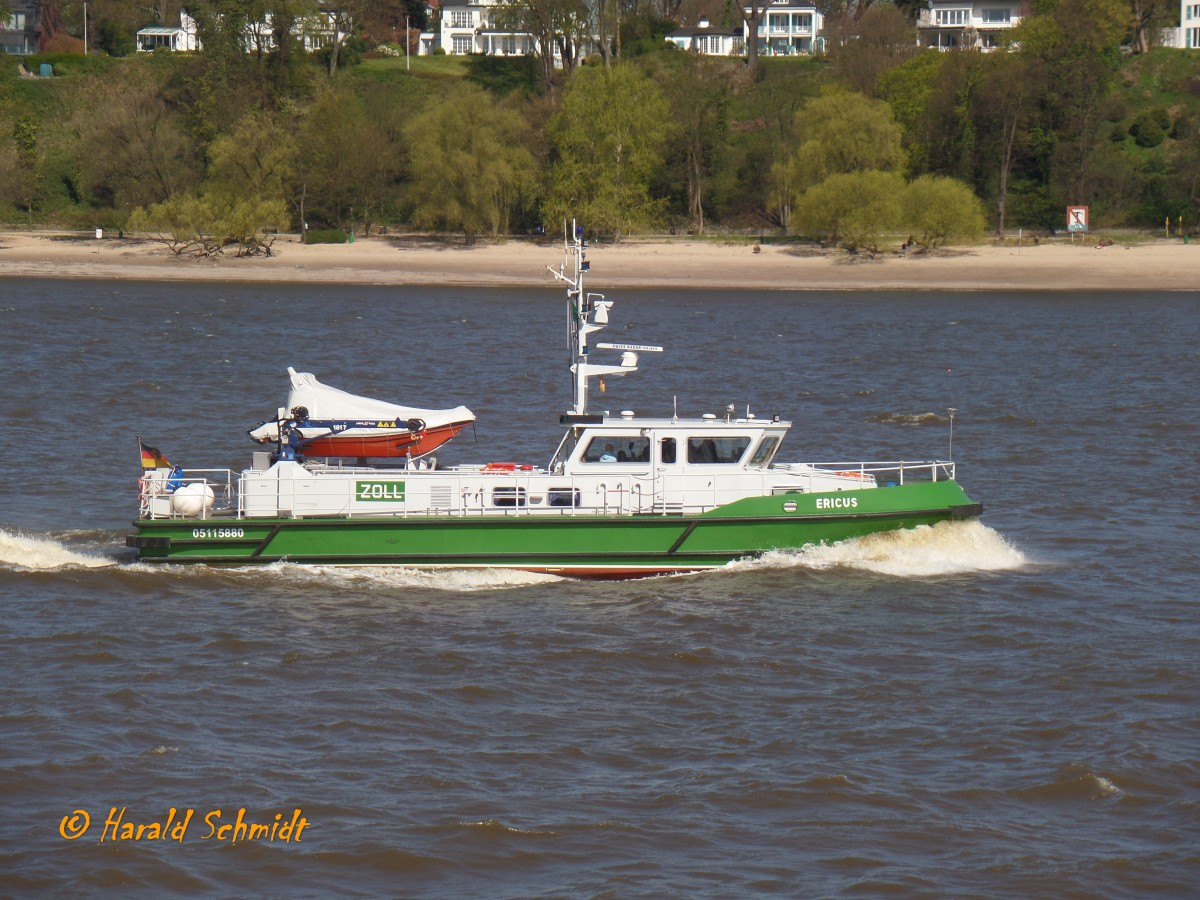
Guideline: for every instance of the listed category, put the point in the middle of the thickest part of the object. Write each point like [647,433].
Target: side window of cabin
[617,448]
[716,450]
[766,450]
[563,496]
[509,496]
[666,451]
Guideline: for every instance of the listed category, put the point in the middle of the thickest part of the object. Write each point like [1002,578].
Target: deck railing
[469,491]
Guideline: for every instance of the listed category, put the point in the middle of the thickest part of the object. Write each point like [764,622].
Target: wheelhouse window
[607,448]
[765,451]
[718,450]
[564,451]
[666,451]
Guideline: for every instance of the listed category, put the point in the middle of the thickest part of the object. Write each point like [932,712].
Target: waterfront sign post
[1077,219]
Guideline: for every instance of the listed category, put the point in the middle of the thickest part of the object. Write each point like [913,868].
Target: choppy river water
[1000,709]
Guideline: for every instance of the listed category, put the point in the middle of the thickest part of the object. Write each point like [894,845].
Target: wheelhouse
[623,444]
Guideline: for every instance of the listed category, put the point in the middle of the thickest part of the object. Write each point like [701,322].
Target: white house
[968,24]
[1189,25]
[788,28]
[172,37]
[315,31]
[709,40]
[467,27]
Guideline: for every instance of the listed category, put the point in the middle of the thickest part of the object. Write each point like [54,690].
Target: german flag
[152,457]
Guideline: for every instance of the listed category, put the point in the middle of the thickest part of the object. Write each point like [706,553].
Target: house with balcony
[789,28]
[19,35]
[709,40]
[968,24]
[468,26]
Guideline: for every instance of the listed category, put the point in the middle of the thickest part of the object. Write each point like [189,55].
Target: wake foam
[302,575]
[947,548]
[25,552]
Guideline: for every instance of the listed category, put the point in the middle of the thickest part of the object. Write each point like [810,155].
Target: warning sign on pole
[1077,218]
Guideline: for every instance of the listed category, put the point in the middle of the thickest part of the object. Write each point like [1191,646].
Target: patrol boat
[623,496]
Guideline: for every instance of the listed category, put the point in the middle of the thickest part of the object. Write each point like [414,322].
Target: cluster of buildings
[316,31]
[787,28]
[22,33]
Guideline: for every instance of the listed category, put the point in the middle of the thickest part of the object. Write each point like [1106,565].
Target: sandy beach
[709,264]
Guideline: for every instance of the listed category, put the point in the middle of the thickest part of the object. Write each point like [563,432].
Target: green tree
[763,152]
[841,132]
[935,100]
[1011,88]
[9,178]
[1077,42]
[241,202]
[854,209]
[609,137]
[178,222]
[863,49]
[206,224]
[1148,19]
[908,90]
[938,209]
[31,154]
[256,159]
[131,145]
[346,167]
[554,24]
[288,68]
[698,93]
[469,163]
[1184,165]
[753,15]
[227,79]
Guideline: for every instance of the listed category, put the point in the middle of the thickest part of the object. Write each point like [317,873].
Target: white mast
[588,313]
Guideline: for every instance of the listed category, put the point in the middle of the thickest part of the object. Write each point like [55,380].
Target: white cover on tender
[325,402]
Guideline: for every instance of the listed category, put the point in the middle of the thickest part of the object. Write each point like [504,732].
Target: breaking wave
[947,548]
[927,418]
[25,552]
[408,576]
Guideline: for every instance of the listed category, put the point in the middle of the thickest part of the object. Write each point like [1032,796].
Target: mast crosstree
[588,313]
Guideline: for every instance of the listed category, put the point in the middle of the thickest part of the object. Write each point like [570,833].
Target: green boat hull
[579,545]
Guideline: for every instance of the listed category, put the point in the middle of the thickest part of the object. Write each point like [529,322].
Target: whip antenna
[952,411]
